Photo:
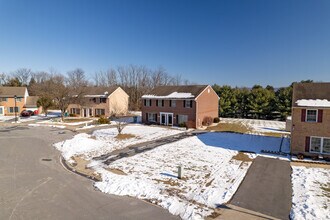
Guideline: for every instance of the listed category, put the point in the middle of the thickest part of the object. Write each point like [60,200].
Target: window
[103,100]
[147,102]
[160,103]
[326,145]
[152,117]
[99,111]
[172,103]
[11,109]
[311,115]
[315,144]
[3,99]
[75,111]
[182,119]
[187,103]
[18,99]
[320,145]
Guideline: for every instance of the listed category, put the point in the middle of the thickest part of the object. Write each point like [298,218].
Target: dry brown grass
[230,127]
[242,157]
[116,171]
[124,136]
[71,120]
[272,134]
[80,165]
[168,182]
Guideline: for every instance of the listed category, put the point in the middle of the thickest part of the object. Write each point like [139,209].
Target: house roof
[175,92]
[311,94]
[31,101]
[7,91]
[99,91]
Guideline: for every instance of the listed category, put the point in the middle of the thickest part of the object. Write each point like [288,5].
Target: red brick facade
[195,109]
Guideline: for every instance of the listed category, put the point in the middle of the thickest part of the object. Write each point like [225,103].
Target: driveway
[34,185]
[266,188]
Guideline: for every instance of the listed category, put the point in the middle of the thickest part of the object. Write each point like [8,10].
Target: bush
[207,121]
[182,125]
[103,120]
[300,156]
[216,120]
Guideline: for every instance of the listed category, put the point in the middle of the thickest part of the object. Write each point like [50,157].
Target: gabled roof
[31,101]
[99,91]
[10,92]
[310,94]
[176,92]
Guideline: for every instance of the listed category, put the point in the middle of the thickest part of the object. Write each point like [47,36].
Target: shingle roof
[7,91]
[311,91]
[31,101]
[163,91]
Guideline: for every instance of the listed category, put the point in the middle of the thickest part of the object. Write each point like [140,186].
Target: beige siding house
[310,133]
[7,100]
[101,102]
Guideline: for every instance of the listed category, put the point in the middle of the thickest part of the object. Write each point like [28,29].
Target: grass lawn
[71,120]
[231,127]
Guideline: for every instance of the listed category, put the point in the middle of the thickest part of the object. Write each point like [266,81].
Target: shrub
[182,125]
[207,121]
[300,156]
[103,120]
[216,120]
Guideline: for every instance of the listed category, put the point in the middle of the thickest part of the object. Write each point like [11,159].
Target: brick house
[310,133]
[100,101]
[178,105]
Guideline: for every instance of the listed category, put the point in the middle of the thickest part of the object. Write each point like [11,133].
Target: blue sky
[225,42]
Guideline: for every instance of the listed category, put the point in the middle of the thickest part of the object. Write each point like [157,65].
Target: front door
[2,110]
[86,112]
[166,118]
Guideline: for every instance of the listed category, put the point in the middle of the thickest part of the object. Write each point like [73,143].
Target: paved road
[32,188]
[266,188]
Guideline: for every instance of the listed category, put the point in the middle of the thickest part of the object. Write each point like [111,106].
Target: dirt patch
[116,171]
[124,136]
[307,164]
[80,165]
[168,182]
[209,183]
[242,157]
[72,120]
[231,127]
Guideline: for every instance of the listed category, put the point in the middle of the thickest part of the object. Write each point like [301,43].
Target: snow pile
[311,196]
[211,177]
[313,102]
[259,126]
[104,141]
[173,95]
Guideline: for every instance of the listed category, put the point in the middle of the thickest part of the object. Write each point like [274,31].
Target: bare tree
[23,75]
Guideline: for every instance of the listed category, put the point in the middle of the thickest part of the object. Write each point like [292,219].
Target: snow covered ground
[311,193]
[211,177]
[259,126]
[104,141]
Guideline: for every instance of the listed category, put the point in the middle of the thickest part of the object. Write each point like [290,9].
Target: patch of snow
[44,125]
[313,102]
[173,95]
[310,200]
[104,141]
[211,177]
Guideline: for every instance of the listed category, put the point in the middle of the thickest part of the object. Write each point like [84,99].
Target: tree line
[59,90]
[257,102]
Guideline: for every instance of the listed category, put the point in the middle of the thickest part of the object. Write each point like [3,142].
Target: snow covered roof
[313,102]
[176,92]
[173,95]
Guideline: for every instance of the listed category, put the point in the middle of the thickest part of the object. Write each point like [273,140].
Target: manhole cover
[46,159]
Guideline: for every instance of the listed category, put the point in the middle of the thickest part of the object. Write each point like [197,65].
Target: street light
[15,97]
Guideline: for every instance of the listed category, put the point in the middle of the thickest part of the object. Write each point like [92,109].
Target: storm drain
[46,159]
